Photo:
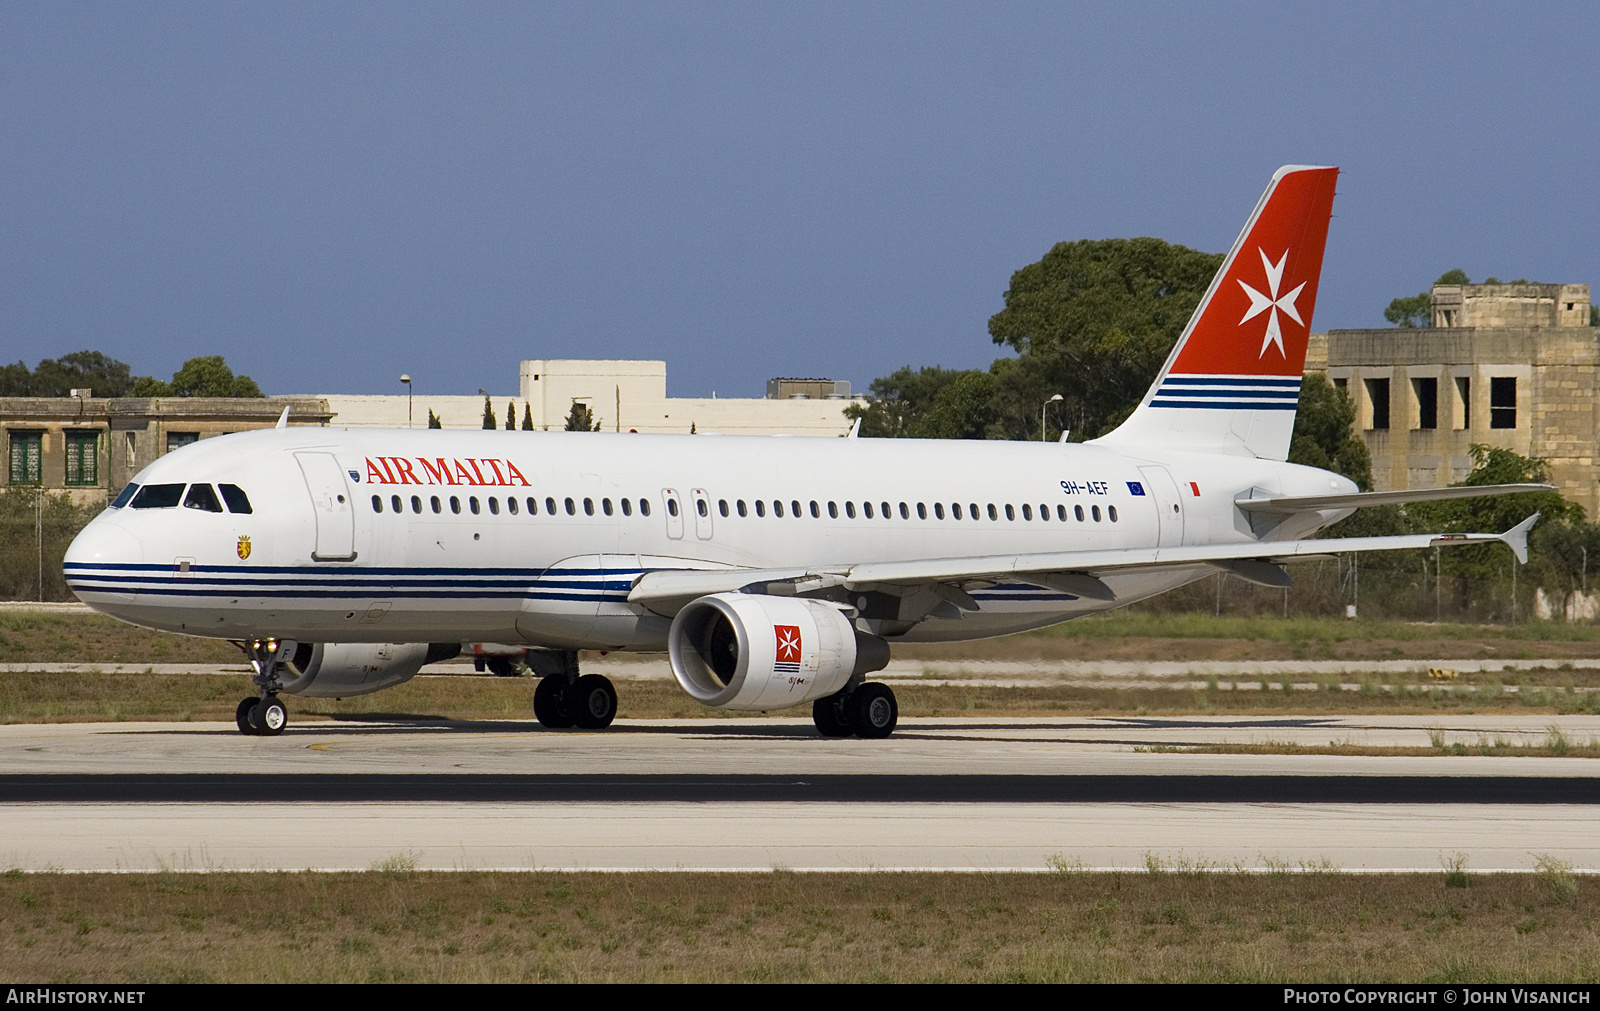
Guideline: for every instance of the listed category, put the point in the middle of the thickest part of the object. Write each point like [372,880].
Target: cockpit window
[158,496]
[237,501]
[124,495]
[203,498]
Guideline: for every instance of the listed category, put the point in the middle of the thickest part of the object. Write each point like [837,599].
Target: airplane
[773,571]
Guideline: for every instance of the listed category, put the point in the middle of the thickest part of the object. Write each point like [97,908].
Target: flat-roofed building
[1515,367]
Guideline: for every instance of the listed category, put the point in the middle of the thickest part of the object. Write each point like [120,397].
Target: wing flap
[1357,500]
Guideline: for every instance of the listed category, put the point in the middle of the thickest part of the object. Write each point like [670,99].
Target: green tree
[1417,311]
[511,415]
[433,420]
[206,376]
[58,377]
[581,419]
[1093,321]
[488,413]
[527,417]
[1325,435]
[899,401]
[36,527]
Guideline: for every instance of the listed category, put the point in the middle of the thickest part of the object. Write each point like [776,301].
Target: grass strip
[1174,922]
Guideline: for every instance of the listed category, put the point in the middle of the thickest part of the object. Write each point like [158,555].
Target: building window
[178,440]
[83,458]
[1503,402]
[1427,393]
[1464,397]
[27,457]
[1378,398]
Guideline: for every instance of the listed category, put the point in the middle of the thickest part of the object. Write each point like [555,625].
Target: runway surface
[996,794]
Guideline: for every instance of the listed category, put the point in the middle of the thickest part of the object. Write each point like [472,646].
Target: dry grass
[396,924]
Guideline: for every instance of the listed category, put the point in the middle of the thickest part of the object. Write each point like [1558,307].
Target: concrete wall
[1510,305]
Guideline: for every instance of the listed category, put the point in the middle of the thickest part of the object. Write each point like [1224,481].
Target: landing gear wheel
[550,704]
[593,702]
[872,710]
[241,715]
[829,716]
[269,717]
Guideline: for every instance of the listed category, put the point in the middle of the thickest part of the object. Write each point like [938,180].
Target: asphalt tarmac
[998,794]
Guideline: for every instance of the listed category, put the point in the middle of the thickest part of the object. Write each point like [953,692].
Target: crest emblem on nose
[243,547]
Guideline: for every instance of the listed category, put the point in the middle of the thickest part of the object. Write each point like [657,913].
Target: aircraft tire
[873,711]
[241,715]
[593,702]
[830,717]
[268,717]
[549,704]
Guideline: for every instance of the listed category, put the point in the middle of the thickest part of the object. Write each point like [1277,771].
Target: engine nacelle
[327,670]
[755,651]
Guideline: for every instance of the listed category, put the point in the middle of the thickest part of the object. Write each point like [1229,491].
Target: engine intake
[756,651]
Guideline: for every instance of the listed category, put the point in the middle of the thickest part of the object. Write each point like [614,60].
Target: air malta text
[439,470]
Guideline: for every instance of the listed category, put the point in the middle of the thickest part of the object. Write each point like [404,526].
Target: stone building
[1511,366]
[88,447]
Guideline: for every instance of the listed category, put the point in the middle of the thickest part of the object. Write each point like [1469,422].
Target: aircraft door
[1169,504]
[672,509]
[330,500]
[702,513]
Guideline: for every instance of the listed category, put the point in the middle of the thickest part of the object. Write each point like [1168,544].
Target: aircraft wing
[1358,500]
[1076,572]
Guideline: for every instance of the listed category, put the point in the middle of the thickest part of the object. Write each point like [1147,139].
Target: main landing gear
[265,715]
[868,711]
[565,698]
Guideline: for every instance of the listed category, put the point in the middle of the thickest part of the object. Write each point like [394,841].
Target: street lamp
[1044,407]
[407,380]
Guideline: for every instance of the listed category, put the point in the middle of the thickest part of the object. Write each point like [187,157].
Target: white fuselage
[326,555]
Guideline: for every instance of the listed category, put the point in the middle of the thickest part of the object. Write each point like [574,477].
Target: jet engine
[756,651]
[327,670]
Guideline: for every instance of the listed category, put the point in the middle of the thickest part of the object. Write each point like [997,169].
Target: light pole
[407,380]
[1044,407]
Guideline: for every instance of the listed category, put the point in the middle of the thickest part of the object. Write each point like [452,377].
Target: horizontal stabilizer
[1359,500]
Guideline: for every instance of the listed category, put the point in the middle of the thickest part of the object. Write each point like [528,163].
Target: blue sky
[333,194]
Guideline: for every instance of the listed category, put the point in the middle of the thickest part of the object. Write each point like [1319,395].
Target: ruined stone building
[1515,366]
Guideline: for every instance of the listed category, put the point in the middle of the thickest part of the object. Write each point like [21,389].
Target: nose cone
[100,560]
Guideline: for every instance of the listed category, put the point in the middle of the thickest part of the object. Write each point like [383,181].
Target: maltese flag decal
[788,657]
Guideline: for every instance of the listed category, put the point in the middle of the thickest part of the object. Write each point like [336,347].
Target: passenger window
[416,504]
[377,503]
[572,507]
[993,515]
[887,514]
[472,503]
[1079,511]
[533,506]
[672,507]
[1027,511]
[397,505]
[1044,512]
[203,498]
[237,501]
[740,505]
[1111,511]
[1061,513]
[1095,512]
[816,512]
[761,508]
[938,510]
[794,508]
[1011,514]
[701,508]
[605,506]
[494,506]
[833,510]
[644,507]
[922,511]
[866,509]
[975,513]
[905,513]
[777,508]
[955,510]
[455,505]
[434,501]
[158,496]
[511,505]
[627,506]
[550,505]
[588,507]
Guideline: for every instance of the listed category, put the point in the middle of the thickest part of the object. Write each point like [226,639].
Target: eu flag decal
[1135,488]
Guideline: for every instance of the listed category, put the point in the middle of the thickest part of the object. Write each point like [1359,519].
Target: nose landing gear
[265,715]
